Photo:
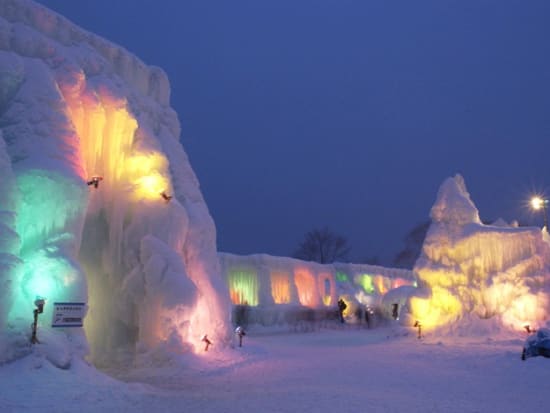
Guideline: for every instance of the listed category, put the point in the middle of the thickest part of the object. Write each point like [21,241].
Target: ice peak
[453,204]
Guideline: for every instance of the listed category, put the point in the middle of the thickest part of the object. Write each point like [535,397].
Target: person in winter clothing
[341,307]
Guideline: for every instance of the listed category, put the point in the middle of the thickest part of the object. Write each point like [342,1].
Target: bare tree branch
[323,246]
[414,239]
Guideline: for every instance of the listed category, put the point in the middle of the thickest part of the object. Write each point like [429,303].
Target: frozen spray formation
[486,271]
[99,204]
[138,243]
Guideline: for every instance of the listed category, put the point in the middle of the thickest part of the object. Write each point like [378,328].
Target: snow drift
[137,243]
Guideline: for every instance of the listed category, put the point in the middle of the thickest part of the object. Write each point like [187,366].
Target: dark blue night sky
[299,114]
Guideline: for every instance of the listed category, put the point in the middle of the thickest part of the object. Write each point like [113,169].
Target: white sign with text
[68,314]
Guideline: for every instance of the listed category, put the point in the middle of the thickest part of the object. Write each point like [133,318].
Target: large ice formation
[282,290]
[74,106]
[483,271]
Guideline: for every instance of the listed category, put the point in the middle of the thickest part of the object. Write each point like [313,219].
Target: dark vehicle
[537,344]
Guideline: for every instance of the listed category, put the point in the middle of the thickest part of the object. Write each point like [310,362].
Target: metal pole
[34,339]
[419,325]
[544,202]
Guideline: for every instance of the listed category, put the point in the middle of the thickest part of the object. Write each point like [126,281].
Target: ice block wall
[265,280]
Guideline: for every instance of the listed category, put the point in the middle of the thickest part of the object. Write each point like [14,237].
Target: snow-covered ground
[330,370]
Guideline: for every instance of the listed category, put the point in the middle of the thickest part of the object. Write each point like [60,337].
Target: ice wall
[140,246]
[277,284]
[9,240]
[486,271]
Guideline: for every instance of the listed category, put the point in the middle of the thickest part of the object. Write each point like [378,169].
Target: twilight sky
[299,114]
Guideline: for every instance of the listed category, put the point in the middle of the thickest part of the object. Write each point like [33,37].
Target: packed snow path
[345,370]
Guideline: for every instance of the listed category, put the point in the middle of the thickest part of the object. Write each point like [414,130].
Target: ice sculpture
[280,288]
[98,200]
[486,271]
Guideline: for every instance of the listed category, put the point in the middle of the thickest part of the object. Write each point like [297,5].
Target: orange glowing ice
[307,288]
[280,287]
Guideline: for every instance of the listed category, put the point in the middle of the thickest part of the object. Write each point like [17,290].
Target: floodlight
[39,303]
[538,203]
[207,342]
[418,324]
[240,333]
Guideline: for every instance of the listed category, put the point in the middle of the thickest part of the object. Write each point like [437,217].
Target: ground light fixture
[528,328]
[94,180]
[239,331]
[418,325]
[39,304]
[206,342]
[538,203]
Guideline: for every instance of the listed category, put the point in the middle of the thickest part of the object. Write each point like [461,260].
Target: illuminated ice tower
[484,271]
[98,201]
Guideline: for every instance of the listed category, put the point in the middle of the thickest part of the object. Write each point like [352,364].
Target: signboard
[68,314]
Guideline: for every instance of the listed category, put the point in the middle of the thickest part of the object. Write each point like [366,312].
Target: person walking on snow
[341,307]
